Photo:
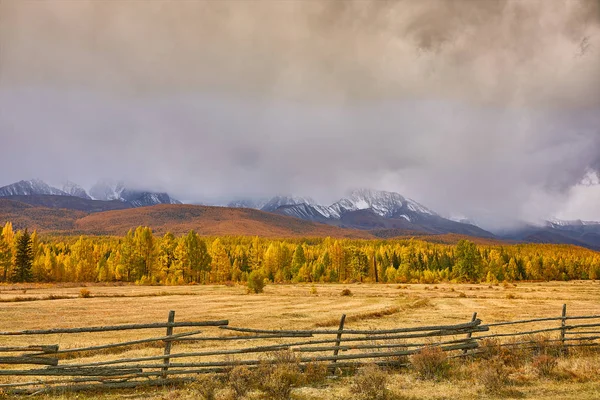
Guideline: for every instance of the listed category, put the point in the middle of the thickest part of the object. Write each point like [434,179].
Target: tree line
[142,257]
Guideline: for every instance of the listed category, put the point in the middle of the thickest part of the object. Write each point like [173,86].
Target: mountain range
[377,213]
[387,214]
[105,191]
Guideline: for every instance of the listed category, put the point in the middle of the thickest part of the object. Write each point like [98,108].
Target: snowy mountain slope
[248,203]
[102,191]
[107,190]
[143,199]
[304,211]
[279,201]
[558,223]
[385,204]
[117,190]
[73,189]
[369,209]
[30,187]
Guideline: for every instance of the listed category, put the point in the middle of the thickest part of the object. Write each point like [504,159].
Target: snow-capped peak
[555,222]
[279,201]
[73,189]
[113,190]
[248,203]
[383,203]
[30,187]
[107,190]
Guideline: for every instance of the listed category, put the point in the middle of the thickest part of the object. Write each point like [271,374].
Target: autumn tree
[127,260]
[145,253]
[6,257]
[221,265]
[85,260]
[166,254]
[193,260]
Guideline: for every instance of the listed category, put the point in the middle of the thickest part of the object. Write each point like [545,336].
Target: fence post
[339,336]
[563,323]
[469,334]
[167,360]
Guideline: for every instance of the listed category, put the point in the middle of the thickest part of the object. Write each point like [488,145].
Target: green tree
[467,261]
[298,260]
[23,259]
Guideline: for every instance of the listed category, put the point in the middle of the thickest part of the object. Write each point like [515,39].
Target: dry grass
[370,383]
[295,307]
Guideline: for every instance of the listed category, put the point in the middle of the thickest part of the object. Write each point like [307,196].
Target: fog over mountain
[485,109]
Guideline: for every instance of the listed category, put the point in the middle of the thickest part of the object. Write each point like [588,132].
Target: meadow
[305,306]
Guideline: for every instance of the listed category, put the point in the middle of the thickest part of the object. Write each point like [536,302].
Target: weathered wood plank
[359,331]
[470,345]
[29,360]
[130,343]
[71,372]
[114,328]
[44,349]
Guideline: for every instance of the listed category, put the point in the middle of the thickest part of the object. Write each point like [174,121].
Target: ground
[307,306]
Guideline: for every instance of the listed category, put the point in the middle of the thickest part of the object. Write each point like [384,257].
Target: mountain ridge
[101,191]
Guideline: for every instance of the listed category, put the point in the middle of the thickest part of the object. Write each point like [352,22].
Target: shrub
[240,379]
[370,383]
[492,349]
[346,292]
[545,345]
[315,373]
[277,379]
[493,375]
[206,387]
[430,363]
[84,293]
[544,364]
[256,282]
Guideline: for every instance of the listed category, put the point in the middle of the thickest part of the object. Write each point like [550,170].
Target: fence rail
[68,368]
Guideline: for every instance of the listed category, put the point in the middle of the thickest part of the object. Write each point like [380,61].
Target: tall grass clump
[431,363]
[277,378]
[241,381]
[370,383]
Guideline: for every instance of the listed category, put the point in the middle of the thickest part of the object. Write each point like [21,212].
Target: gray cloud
[488,109]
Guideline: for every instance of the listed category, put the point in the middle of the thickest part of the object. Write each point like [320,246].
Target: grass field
[309,306]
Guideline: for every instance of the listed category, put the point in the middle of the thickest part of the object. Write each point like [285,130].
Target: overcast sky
[487,109]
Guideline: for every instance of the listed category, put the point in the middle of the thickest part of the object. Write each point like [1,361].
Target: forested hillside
[142,257]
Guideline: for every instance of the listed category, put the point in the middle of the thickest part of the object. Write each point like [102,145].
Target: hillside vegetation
[176,218]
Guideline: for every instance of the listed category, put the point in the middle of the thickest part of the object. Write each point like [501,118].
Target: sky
[483,109]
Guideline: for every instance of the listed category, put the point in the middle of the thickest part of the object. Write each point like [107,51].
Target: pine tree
[23,259]
[298,260]
[468,260]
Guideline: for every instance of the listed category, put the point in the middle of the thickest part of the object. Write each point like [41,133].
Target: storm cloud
[487,109]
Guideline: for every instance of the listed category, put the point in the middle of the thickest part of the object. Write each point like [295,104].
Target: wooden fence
[219,347]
